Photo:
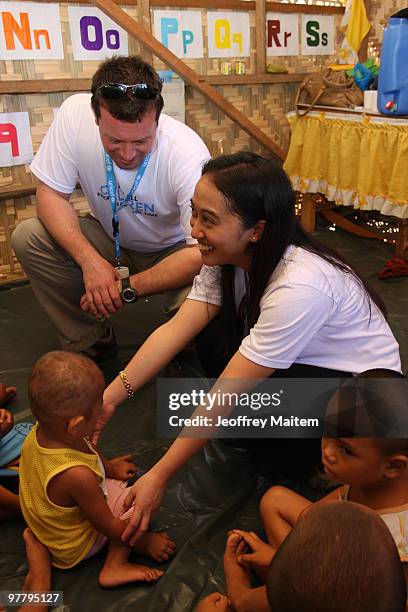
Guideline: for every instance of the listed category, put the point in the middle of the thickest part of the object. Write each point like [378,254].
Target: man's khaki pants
[57,280]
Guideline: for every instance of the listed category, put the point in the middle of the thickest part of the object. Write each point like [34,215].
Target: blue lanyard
[110,177]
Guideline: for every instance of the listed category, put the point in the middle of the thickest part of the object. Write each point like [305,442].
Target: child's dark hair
[372,404]
[63,385]
[256,189]
[340,557]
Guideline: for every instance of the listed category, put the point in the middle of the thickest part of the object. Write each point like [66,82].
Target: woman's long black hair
[256,188]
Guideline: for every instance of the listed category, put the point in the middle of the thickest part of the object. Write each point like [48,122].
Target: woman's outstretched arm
[239,376]
[156,352]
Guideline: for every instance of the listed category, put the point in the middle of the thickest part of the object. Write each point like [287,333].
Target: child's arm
[119,468]
[79,486]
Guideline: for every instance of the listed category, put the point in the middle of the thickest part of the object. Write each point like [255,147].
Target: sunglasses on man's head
[118,91]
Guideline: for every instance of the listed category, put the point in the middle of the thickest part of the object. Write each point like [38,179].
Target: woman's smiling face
[221,235]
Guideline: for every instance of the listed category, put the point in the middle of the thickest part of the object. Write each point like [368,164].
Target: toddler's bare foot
[157,546]
[39,564]
[117,570]
[114,574]
[237,576]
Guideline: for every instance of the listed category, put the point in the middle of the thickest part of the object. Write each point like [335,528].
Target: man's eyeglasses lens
[118,91]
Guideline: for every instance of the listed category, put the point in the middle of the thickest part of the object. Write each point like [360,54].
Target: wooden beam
[239,5]
[260,31]
[57,85]
[186,73]
[16,191]
[44,86]
[143,15]
[253,79]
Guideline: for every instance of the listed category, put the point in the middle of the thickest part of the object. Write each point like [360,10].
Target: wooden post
[143,16]
[363,52]
[260,31]
[308,213]
[134,29]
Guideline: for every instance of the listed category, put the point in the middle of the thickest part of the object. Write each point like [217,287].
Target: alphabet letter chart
[94,36]
[30,31]
[228,34]
[15,140]
[180,31]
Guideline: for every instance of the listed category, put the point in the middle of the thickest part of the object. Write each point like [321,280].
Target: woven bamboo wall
[265,105]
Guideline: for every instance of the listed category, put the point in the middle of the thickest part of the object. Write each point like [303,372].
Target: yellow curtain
[358,163]
[358,25]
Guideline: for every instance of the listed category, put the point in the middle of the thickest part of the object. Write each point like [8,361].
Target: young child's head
[65,390]
[365,425]
[339,557]
[364,461]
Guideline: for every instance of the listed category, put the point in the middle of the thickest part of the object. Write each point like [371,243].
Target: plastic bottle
[393,75]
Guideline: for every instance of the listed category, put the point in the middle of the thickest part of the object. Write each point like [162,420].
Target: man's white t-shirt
[159,217]
[311,313]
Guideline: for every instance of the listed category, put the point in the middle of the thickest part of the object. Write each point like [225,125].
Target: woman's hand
[105,413]
[121,468]
[146,494]
[6,421]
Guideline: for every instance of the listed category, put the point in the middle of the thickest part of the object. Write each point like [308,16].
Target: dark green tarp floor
[218,490]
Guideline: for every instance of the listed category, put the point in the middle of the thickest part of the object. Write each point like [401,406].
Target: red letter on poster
[8,133]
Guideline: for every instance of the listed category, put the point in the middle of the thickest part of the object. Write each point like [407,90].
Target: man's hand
[121,468]
[104,416]
[6,421]
[146,494]
[101,297]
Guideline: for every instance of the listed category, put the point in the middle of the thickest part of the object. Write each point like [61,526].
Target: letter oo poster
[94,36]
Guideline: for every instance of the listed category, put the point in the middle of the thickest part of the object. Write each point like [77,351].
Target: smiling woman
[283,304]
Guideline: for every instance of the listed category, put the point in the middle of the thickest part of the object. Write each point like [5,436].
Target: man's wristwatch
[127,293]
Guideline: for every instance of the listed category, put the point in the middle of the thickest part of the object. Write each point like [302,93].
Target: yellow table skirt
[354,160]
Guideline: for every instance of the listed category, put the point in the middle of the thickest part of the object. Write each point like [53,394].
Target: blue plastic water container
[393,74]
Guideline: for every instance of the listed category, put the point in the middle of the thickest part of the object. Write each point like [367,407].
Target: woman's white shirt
[311,313]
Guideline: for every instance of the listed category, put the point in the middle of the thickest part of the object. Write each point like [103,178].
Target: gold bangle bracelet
[129,389]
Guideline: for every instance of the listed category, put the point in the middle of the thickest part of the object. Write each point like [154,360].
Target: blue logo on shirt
[137,207]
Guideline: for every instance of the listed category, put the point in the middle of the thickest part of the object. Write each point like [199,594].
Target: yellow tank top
[67,534]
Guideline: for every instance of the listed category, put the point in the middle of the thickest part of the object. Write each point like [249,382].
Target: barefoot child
[339,557]
[11,440]
[373,471]
[71,497]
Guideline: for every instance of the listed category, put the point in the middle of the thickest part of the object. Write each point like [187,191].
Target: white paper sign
[180,31]
[16,147]
[228,34]
[317,34]
[282,34]
[30,30]
[173,95]
[94,36]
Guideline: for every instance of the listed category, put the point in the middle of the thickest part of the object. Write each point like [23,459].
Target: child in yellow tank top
[71,497]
